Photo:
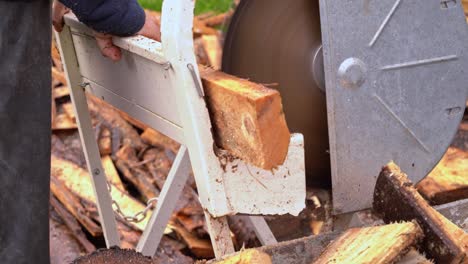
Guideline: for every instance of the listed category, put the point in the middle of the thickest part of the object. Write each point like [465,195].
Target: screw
[96,172]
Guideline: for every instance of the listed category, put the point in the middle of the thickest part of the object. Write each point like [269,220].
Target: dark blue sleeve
[116,17]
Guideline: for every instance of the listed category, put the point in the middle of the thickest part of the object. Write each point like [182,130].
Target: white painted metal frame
[159,84]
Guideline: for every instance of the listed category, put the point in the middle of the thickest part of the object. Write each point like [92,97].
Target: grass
[201,6]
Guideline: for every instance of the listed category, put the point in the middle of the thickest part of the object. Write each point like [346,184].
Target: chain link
[139,216]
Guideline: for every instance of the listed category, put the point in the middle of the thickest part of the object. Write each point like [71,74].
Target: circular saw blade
[274,42]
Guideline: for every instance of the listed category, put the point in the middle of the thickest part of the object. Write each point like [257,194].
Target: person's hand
[150,29]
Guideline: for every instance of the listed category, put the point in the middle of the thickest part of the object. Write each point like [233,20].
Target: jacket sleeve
[116,17]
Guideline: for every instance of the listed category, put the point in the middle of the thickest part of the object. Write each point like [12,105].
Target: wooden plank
[378,244]
[396,199]
[247,118]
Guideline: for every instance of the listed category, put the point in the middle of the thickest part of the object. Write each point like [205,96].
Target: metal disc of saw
[275,42]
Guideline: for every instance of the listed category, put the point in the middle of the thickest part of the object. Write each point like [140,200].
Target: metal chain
[139,216]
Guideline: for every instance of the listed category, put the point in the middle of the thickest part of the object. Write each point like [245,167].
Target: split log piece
[378,244]
[396,199]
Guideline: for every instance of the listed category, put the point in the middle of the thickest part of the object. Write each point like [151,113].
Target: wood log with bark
[396,199]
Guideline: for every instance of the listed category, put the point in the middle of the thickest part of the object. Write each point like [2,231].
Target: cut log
[248,119]
[396,199]
[378,244]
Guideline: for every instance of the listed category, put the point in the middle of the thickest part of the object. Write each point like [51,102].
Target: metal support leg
[262,230]
[90,147]
[220,235]
[170,193]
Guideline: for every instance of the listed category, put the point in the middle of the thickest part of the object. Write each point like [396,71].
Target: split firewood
[72,224]
[79,182]
[396,199]
[247,118]
[105,141]
[59,76]
[53,111]
[249,256]
[107,114]
[74,206]
[63,122]
[200,54]
[55,55]
[448,182]
[111,172]
[378,244]
[159,140]
[213,50]
[60,92]
[69,111]
[128,164]
[201,248]
[159,168]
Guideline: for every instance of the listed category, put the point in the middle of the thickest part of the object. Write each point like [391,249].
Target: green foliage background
[201,6]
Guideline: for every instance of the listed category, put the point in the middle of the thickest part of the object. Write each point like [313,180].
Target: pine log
[379,244]
[396,199]
[247,118]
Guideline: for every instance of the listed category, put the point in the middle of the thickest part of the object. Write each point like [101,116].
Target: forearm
[115,17]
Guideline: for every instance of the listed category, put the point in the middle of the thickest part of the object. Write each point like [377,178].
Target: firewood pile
[137,159]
